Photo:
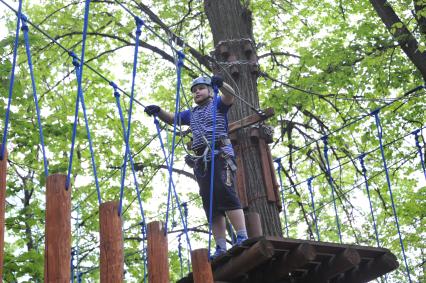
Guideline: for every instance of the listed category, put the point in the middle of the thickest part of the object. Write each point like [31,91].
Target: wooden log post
[3,173]
[57,230]
[239,265]
[111,247]
[158,266]
[201,268]
[294,259]
[254,227]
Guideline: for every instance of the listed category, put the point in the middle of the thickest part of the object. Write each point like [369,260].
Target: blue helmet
[201,81]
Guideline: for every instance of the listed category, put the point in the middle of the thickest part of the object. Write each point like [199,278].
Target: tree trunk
[401,34]
[231,25]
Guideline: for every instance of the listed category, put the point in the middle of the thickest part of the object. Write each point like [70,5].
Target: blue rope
[367,188]
[143,233]
[180,255]
[181,57]
[76,64]
[330,180]
[120,113]
[72,266]
[279,168]
[419,149]
[79,74]
[30,65]
[313,207]
[11,82]
[183,215]
[139,23]
[380,136]
[216,91]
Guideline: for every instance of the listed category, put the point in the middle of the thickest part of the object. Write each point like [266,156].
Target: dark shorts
[224,195]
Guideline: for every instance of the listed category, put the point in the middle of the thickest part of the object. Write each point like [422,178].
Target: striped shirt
[200,120]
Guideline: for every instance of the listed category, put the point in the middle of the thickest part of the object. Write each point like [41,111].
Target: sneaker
[240,240]
[219,251]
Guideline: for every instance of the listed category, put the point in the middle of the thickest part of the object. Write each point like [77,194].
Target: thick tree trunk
[401,34]
[231,25]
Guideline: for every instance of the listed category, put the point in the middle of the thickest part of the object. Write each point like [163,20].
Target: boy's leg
[236,217]
[219,231]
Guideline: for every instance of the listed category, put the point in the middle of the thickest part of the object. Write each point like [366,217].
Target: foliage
[338,59]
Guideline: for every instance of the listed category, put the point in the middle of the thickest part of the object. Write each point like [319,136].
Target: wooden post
[239,265]
[254,227]
[158,266]
[57,230]
[111,248]
[201,268]
[3,173]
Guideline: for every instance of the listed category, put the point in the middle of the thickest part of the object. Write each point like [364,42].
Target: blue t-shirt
[200,120]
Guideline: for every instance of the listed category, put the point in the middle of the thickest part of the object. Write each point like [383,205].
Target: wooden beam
[57,252]
[250,120]
[266,171]
[3,179]
[298,257]
[201,268]
[340,263]
[239,265]
[371,270]
[254,226]
[158,266]
[111,247]
[240,177]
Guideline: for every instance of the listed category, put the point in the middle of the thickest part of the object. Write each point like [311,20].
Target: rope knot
[361,161]
[375,112]
[139,22]
[156,120]
[75,60]
[24,18]
[24,27]
[325,141]
[310,183]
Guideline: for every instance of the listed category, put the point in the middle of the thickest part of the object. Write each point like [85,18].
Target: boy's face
[200,93]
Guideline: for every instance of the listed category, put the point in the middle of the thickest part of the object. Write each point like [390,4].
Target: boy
[200,120]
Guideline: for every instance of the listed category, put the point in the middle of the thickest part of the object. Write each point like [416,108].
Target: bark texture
[401,34]
[235,54]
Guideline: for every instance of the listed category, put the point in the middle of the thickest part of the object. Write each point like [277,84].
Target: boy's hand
[217,81]
[152,110]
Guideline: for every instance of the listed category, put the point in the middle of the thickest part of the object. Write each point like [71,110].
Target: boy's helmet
[201,81]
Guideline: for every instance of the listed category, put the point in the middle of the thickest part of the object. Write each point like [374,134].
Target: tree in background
[320,64]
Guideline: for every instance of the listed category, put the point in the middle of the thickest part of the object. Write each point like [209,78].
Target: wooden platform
[283,260]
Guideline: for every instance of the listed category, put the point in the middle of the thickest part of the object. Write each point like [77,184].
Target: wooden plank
[111,246]
[274,179]
[371,270]
[266,171]
[250,120]
[240,177]
[326,247]
[341,263]
[239,265]
[57,252]
[202,271]
[3,180]
[289,262]
[158,266]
